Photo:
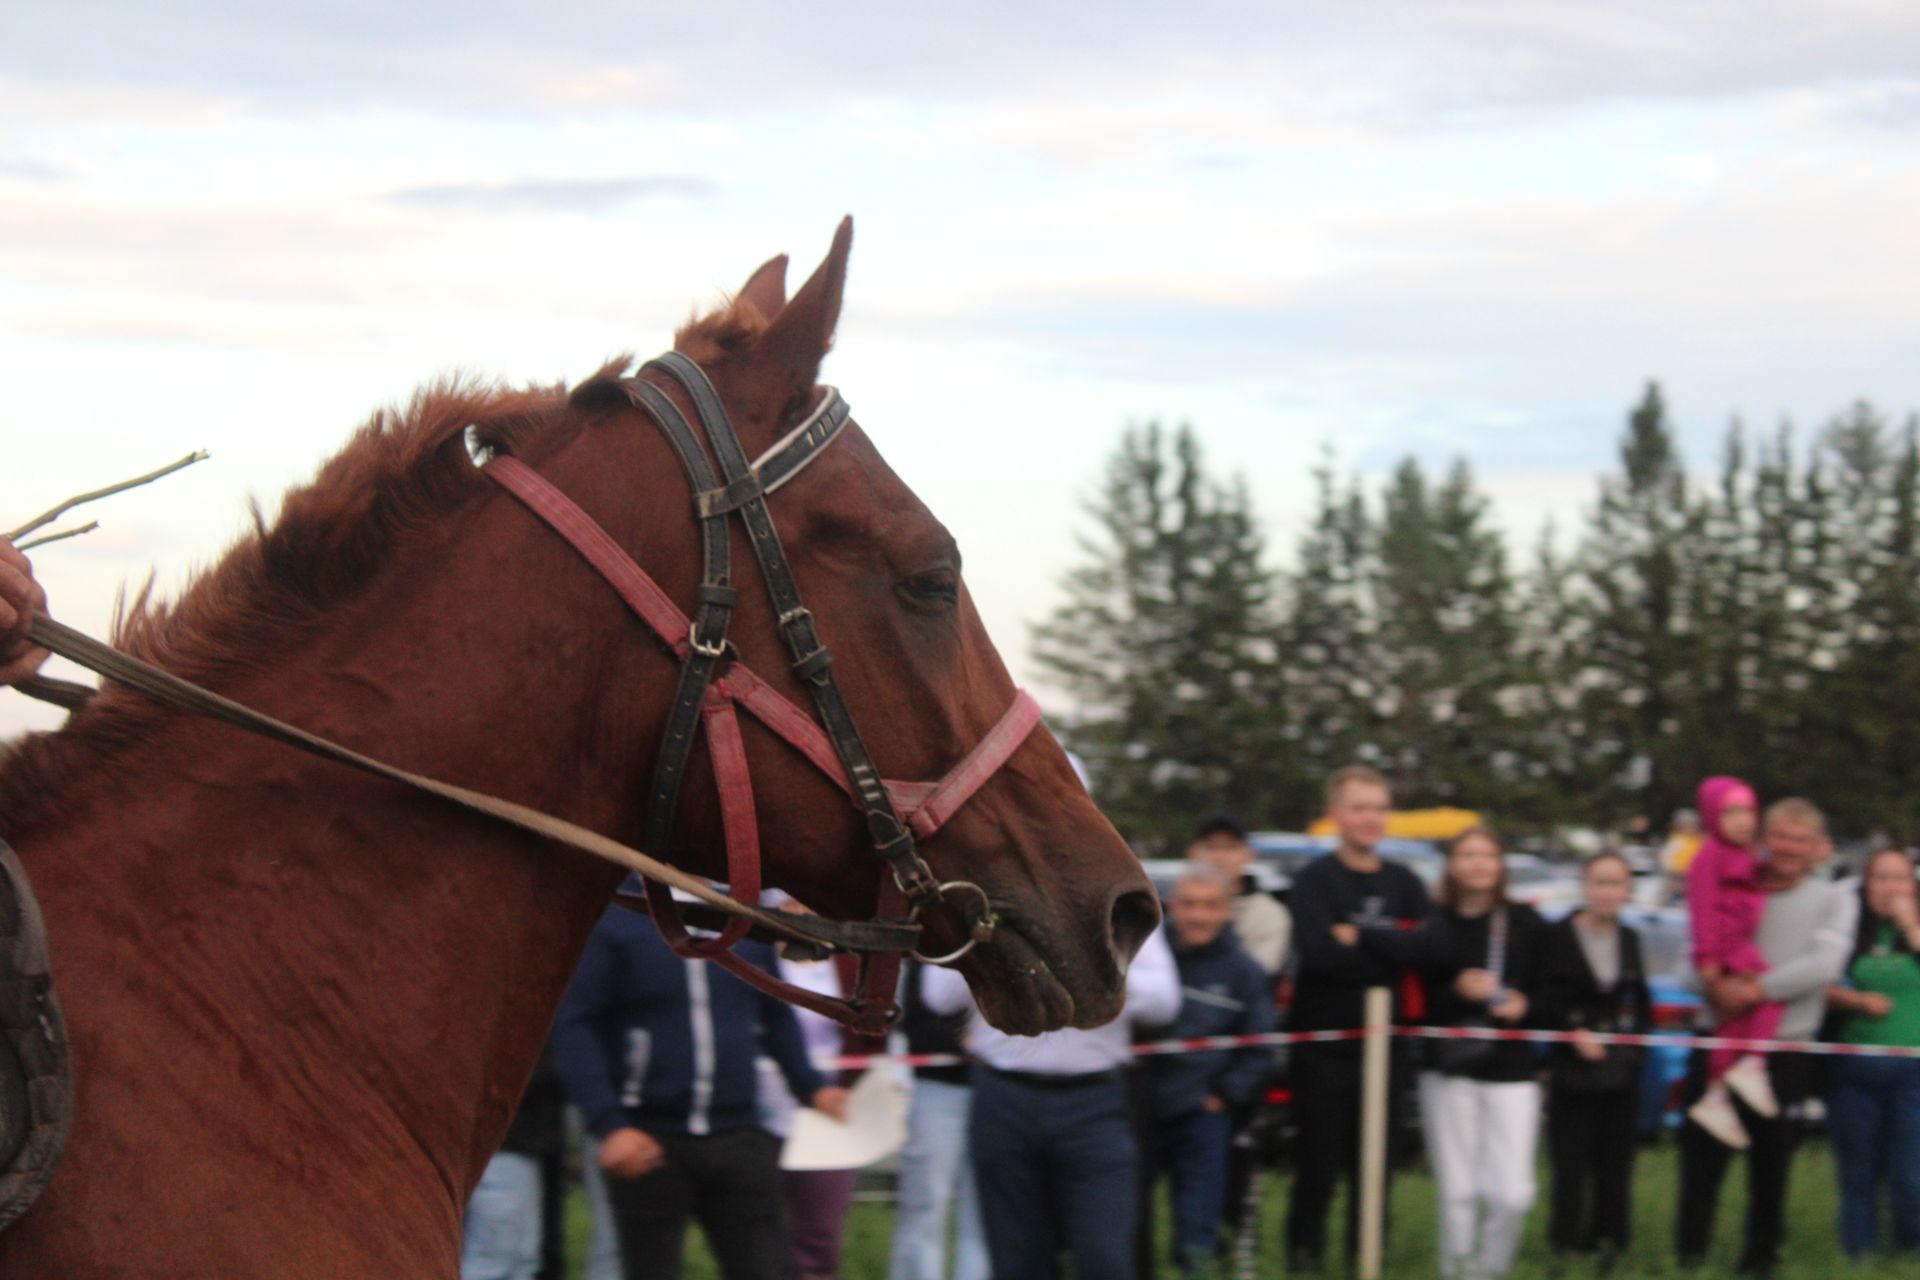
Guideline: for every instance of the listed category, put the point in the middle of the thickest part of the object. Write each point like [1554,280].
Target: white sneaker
[1748,1078]
[1714,1113]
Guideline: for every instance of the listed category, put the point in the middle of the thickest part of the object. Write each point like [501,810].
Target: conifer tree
[1554,748]
[1636,669]
[1164,646]
[1328,647]
[1446,641]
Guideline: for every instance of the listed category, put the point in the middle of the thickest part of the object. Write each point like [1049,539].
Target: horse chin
[1020,988]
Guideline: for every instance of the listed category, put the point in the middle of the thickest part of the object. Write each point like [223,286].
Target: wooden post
[1373,1130]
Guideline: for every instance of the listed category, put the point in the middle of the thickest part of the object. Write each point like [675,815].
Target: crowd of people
[1053,1144]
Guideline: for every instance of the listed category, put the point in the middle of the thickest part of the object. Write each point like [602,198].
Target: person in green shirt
[1873,1103]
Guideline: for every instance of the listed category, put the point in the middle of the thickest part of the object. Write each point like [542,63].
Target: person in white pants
[1480,1143]
[1480,956]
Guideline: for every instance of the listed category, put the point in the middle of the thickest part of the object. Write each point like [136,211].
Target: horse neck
[376,950]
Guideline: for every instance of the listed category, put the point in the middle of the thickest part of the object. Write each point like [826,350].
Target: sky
[1411,227]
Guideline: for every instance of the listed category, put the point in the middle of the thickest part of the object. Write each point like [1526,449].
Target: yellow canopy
[1416,824]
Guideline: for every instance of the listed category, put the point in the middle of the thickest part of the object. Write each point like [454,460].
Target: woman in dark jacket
[1594,979]
[1479,1099]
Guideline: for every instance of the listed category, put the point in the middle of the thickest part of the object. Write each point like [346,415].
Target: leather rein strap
[712,682]
[165,687]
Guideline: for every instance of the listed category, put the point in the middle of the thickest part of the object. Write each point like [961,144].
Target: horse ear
[766,288]
[799,336]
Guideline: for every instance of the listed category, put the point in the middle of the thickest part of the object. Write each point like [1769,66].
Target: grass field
[1812,1249]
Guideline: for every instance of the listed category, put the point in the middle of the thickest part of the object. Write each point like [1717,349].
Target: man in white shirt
[1053,1145]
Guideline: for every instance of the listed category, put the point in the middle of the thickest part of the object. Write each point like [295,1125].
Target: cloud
[551,195]
[1892,107]
[1403,64]
[30,169]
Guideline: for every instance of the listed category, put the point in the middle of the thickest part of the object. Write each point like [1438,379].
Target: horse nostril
[1135,915]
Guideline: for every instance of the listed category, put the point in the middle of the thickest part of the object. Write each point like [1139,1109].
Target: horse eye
[938,588]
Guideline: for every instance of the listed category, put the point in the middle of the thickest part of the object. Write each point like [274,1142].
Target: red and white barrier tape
[1202,1044]
[1677,1041]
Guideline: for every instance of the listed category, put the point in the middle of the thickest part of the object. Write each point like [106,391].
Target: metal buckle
[981,929]
[705,650]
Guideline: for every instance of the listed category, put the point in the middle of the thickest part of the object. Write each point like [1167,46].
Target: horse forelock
[730,330]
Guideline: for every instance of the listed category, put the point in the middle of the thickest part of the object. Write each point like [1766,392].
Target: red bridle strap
[642,594]
[951,792]
[742,828]
[925,806]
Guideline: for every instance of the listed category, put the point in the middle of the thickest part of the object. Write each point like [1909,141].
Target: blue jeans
[500,1239]
[603,1247]
[936,1174]
[1193,1148]
[1873,1115]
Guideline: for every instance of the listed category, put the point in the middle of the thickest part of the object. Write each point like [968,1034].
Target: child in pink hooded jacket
[1725,901]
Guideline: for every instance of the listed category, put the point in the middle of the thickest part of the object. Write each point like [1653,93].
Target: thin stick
[198,455]
[44,539]
[61,693]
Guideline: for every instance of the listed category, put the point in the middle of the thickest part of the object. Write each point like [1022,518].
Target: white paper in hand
[876,1127]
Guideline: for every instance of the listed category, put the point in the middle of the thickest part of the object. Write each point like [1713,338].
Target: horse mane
[400,471]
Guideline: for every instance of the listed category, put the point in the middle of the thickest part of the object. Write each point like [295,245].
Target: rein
[712,685]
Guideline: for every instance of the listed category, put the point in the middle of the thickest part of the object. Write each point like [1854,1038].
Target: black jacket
[1448,944]
[1331,980]
[1572,999]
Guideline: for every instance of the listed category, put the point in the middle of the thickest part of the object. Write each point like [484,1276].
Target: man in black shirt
[1352,886]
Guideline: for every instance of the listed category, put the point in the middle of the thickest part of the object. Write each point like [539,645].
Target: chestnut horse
[303,1002]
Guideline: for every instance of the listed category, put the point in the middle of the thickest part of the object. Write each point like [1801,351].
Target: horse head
[882,579]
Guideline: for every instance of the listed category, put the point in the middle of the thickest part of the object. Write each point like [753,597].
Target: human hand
[1904,912]
[20,599]
[1588,1048]
[1475,984]
[831,1101]
[1346,935]
[1511,1008]
[1734,993]
[1873,1004]
[630,1153]
[1213,1106]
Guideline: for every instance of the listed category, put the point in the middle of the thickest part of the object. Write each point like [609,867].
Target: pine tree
[1328,649]
[1856,729]
[1635,678]
[1447,636]
[1719,735]
[1164,646]
[1557,760]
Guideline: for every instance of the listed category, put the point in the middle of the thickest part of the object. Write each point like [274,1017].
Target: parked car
[1165,872]
[1551,888]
